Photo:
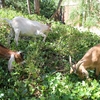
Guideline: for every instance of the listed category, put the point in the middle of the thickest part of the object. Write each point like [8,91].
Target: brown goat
[91,60]
[11,55]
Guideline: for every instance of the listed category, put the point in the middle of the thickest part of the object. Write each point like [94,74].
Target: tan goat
[11,56]
[91,60]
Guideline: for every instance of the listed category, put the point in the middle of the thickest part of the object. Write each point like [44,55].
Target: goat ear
[10,62]
[71,70]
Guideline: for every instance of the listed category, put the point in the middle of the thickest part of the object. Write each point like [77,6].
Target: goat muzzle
[23,63]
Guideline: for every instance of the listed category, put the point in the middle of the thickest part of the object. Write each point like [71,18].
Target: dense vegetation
[46,72]
[47,7]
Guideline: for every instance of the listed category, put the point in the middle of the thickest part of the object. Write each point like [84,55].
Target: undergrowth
[45,76]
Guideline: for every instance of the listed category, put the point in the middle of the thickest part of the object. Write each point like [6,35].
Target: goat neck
[5,52]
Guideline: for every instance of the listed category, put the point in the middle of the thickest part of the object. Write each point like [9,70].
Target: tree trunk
[2,3]
[36,7]
[60,1]
[28,6]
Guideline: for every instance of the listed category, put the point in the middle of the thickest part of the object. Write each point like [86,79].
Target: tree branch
[60,1]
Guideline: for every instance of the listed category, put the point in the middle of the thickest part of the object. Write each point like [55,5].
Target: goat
[91,60]
[11,56]
[23,26]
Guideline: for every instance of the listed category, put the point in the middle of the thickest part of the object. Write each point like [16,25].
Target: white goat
[11,55]
[26,27]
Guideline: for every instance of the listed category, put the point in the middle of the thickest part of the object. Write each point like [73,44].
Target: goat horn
[19,52]
[78,64]
[70,61]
